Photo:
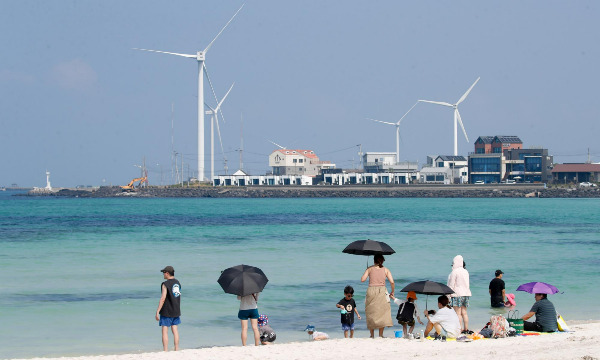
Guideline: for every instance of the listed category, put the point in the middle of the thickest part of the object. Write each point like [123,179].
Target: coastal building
[445,169]
[242,179]
[385,162]
[513,163]
[566,173]
[297,162]
[497,144]
[369,178]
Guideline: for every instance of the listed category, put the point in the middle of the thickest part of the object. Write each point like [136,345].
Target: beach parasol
[243,280]
[428,288]
[537,287]
[368,247]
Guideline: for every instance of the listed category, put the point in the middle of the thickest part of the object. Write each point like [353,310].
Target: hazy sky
[75,99]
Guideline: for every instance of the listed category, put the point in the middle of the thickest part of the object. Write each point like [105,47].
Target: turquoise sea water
[81,276]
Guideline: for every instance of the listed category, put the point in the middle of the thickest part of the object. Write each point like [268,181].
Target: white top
[458,280]
[248,302]
[448,319]
[316,334]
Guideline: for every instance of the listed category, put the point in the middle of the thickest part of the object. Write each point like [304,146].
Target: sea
[82,276]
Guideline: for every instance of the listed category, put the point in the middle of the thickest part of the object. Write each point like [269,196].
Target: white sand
[582,343]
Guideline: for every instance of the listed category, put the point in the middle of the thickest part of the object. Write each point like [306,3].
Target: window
[480,150]
[497,150]
[440,164]
[439,178]
[430,178]
[300,160]
[491,164]
[295,161]
[533,164]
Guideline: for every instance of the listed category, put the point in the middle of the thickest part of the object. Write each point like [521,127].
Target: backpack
[499,326]
[406,312]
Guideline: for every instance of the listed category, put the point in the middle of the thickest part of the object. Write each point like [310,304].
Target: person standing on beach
[348,308]
[497,290]
[458,280]
[377,302]
[249,310]
[169,311]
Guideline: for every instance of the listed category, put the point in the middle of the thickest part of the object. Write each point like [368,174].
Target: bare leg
[351,333]
[438,328]
[345,333]
[381,332]
[254,323]
[465,317]
[460,319]
[165,338]
[428,328]
[175,336]
[244,331]
[372,331]
[404,330]
[410,330]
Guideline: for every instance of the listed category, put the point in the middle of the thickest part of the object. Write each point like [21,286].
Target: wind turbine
[456,115]
[200,57]
[276,144]
[397,125]
[215,119]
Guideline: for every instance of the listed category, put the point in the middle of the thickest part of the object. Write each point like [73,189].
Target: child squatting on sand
[348,308]
[316,335]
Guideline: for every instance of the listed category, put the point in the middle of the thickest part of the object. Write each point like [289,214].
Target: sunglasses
[351,295]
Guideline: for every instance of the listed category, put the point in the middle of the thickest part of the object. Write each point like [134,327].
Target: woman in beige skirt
[377,302]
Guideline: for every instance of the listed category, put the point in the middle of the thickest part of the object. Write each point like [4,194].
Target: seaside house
[565,173]
[297,162]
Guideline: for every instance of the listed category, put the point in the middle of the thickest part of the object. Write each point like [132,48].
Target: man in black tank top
[168,311]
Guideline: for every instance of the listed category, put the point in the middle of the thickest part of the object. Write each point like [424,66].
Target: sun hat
[263,320]
[411,294]
[310,327]
[168,269]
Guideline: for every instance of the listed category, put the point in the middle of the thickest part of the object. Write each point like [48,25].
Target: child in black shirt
[348,308]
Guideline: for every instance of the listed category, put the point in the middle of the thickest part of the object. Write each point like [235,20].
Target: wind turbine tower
[215,120]
[457,118]
[200,56]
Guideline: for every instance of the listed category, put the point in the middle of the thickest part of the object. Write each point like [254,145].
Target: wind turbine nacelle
[200,56]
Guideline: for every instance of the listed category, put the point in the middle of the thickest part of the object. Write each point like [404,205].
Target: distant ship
[2,188]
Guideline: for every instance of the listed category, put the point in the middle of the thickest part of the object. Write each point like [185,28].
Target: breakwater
[346,191]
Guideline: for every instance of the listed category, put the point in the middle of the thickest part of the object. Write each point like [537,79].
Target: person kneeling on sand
[267,334]
[316,335]
[444,319]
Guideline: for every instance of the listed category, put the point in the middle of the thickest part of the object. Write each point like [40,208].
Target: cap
[168,269]
[310,328]
[263,320]
[411,294]
[498,272]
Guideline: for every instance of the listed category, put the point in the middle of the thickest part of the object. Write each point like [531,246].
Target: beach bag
[515,321]
[562,324]
[499,326]
[406,312]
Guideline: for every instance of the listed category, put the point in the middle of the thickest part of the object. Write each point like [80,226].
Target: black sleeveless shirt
[171,306]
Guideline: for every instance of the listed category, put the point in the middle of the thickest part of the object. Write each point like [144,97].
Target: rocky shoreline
[372,191]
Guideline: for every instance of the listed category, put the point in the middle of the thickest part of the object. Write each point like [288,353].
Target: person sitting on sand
[545,315]
[267,335]
[315,335]
[445,319]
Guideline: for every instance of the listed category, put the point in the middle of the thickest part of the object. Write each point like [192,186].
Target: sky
[76,100]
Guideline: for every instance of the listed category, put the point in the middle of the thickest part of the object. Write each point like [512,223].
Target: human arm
[161,302]
[416,314]
[365,275]
[528,315]
[503,295]
[357,314]
[390,278]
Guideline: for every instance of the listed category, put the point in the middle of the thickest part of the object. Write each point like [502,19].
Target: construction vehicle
[130,186]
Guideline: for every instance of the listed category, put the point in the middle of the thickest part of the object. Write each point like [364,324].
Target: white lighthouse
[48,186]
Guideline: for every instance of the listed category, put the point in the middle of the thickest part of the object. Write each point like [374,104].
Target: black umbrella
[428,288]
[242,280]
[368,247]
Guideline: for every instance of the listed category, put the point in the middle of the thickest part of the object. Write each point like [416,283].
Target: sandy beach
[583,342]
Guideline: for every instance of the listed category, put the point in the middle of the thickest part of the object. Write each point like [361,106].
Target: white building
[457,173]
[297,162]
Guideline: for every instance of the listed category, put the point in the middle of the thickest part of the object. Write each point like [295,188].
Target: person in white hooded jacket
[458,280]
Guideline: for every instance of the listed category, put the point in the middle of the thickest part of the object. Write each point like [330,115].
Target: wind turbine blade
[210,107]
[399,121]
[276,144]
[165,52]
[212,88]
[468,91]
[437,102]
[461,124]
[225,97]
[220,140]
[209,45]
[383,122]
